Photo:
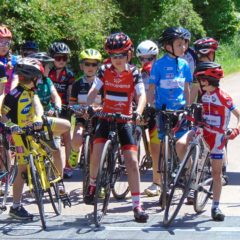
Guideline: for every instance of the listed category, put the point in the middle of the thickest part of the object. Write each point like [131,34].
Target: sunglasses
[88,64]
[59,58]
[5,43]
[118,56]
[147,59]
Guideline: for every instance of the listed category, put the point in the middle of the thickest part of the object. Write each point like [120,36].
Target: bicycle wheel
[181,185]
[53,191]
[86,161]
[38,191]
[4,186]
[103,182]
[120,188]
[205,185]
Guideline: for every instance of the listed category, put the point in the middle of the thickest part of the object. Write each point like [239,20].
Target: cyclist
[217,108]
[22,107]
[62,79]
[147,52]
[8,60]
[90,61]
[28,48]
[119,81]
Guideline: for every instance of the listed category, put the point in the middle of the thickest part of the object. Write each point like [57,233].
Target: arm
[91,95]
[14,81]
[38,108]
[151,93]
[236,113]
[2,95]
[56,98]
[194,92]
[141,96]
[187,93]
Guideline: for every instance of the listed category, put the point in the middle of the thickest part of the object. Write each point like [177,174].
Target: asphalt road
[76,222]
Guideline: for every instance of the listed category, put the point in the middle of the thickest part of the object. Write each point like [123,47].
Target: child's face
[178,47]
[89,67]
[119,60]
[4,46]
[146,59]
[60,60]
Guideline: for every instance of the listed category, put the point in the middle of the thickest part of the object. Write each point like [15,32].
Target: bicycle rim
[85,168]
[205,185]
[103,189]
[4,192]
[180,188]
[38,191]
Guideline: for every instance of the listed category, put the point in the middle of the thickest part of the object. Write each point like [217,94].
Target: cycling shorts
[125,134]
[20,143]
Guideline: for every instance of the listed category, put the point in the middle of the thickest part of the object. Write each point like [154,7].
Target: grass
[228,55]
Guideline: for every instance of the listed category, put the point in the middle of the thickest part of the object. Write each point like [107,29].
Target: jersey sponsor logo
[60,86]
[170,75]
[168,68]
[24,100]
[214,99]
[26,109]
[120,105]
[117,80]
[117,85]
[13,92]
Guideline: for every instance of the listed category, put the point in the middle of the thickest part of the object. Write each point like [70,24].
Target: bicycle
[42,175]
[111,168]
[194,171]
[8,162]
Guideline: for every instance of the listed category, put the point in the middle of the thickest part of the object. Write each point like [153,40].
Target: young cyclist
[147,52]
[22,107]
[119,81]
[62,79]
[90,62]
[8,60]
[217,108]
[28,48]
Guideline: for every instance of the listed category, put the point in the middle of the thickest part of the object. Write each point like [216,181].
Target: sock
[215,204]
[136,202]
[16,205]
[92,181]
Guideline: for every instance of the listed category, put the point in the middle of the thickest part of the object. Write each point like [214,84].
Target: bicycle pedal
[65,200]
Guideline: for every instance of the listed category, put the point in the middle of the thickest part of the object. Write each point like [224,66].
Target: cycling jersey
[45,88]
[118,88]
[217,107]
[191,58]
[169,76]
[64,80]
[9,63]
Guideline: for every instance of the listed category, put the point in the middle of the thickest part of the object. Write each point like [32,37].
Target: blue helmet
[30,45]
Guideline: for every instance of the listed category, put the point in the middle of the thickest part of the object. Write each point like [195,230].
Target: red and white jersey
[119,88]
[217,107]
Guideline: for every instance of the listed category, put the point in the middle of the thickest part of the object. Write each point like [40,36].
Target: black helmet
[29,68]
[59,47]
[186,34]
[170,34]
[42,57]
[30,45]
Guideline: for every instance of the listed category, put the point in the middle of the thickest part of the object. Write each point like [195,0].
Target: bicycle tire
[4,191]
[103,182]
[53,191]
[181,185]
[38,191]
[205,185]
[85,167]
[120,188]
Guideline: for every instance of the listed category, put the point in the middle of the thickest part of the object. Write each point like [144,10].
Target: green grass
[228,55]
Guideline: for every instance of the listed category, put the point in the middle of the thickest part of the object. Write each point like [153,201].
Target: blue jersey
[169,76]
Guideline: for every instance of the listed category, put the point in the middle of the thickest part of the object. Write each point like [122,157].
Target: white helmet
[147,48]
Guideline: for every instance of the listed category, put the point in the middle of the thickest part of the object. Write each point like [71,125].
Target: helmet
[117,43]
[170,34]
[29,68]
[5,32]
[30,45]
[206,45]
[42,57]
[210,70]
[147,48]
[59,47]
[186,34]
[91,54]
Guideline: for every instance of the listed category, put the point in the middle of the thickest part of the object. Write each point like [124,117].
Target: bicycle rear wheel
[103,183]
[120,188]
[53,191]
[4,186]
[86,161]
[181,185]
[38,191]
[205,185]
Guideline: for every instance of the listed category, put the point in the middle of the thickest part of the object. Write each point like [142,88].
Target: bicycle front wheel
[181,185]
[103,183]
[86,161]
[38,191]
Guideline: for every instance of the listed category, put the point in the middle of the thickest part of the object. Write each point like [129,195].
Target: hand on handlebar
[234,133]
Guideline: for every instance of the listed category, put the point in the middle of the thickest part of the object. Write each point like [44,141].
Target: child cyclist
[119,81]
[90,62]
[147,52]
[22,107]
[217,108]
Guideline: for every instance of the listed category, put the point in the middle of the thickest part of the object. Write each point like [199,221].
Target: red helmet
[118,43]
[206,45]
[5,32]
